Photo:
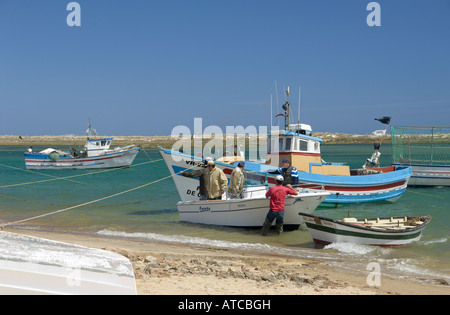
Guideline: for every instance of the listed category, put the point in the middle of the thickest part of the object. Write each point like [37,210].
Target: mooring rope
[428,195]
[91,202]
[33,172]
[72,176]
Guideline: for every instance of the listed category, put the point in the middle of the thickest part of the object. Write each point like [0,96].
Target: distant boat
[96,154]
[250,211]
[385,232]
[32,265]
[379,132]
[426,150]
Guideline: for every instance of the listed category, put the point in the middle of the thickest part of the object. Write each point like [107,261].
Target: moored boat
[96,154]
[248,211]
[384,232]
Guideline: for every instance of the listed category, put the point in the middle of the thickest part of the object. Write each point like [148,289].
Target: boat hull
[327,231]
[388,186]
[122,158]
[247,212]
[31,265]
[423,175]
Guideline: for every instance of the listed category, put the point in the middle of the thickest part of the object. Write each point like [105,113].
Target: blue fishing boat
[295,143]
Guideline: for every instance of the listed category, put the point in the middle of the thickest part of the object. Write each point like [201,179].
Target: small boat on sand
[384,232]
[96,154]
[250,211]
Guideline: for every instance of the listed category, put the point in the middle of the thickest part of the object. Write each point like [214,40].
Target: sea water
[150,213]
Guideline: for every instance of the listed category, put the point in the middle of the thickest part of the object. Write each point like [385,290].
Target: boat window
[103,143]
[288,144]
[280,145]
[303,145]
[274,147]
[316,146]
[109,142]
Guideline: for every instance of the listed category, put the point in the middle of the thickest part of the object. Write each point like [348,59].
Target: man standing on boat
[237,180]
[277,195]
[289,173]
[217,181]
[203,175]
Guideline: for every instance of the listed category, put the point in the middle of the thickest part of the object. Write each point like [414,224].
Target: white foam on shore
[199,241]
[352,257]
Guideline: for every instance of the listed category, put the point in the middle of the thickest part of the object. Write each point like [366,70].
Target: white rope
[90,202]
[67,177]
[85,204]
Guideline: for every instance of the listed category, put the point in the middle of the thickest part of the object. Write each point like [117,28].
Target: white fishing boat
[96,154]
[31,265]
[384,232]
[248,211]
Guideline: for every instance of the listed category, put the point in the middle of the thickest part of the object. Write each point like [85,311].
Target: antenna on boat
[299,95]
[286,107]
[270,112]
[90,131]
[276,95]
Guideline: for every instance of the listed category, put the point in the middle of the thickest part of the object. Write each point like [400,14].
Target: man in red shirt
[277,195]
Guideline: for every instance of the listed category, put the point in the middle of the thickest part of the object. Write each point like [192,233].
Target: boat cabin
[302,149]
[95,147]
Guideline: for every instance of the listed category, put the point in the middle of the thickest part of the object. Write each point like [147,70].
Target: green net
[420,145]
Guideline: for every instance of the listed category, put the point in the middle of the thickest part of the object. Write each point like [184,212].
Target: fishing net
[420,145]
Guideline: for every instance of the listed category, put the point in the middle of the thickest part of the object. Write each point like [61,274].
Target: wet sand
[177,269]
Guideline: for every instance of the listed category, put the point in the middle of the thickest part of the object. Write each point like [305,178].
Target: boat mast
[286,107]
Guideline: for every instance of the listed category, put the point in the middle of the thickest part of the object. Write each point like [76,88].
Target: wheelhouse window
[288,144]
[303,145]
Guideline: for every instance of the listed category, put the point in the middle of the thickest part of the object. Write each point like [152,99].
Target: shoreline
[163,268]
[153,142]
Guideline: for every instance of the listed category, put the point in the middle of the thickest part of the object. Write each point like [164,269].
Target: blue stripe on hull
[364,198]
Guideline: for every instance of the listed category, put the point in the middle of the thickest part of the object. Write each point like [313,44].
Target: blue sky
[144,67]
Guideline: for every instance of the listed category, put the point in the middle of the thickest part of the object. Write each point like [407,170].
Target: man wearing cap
[203,175]
[217,181]
[237,181]
[289,173]
[277,195]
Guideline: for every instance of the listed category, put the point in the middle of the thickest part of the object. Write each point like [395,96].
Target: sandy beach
[174,269]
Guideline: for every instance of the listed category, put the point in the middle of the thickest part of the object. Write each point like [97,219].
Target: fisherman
[217,181]
[288,172]
[203,174]
[237,181]
[277,195]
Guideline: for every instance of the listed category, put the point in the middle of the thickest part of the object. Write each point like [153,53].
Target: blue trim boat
[96,154]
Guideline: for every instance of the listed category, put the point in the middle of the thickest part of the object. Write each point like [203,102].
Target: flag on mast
[384,120]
